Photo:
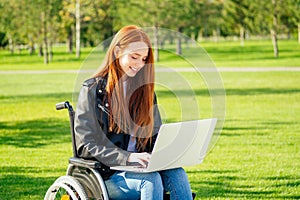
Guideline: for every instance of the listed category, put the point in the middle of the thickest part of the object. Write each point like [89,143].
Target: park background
[254,44]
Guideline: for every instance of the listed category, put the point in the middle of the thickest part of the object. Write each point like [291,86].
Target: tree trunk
[31,46]
[216,34]
[299,32]
[77,15]
[156,44]
[242,35]
[275,43]
[45,39]
[40,50]
[31,49]
[178,43]
[274,30]
[69,47]
[19,49]
[200,35]
[11,45]
[51,51]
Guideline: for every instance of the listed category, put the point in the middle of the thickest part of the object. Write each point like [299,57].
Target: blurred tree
[275,26]
[67,14]
[238,16]
[295,15]
[265,19]
[179,19]
[9,15]
[42,23]
[149,13]
[77,27]
[30,22]
[48,13]
[3,41]
[98,16]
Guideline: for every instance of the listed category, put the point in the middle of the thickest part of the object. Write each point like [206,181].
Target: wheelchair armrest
[85,163]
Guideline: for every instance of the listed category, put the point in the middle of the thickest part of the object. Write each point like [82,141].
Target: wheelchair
[82,180]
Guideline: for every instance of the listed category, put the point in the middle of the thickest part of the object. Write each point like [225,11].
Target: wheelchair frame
[82,180]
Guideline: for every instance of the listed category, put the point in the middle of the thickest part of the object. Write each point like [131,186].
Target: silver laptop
[177,145]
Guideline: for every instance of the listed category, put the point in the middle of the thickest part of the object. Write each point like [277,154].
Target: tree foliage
[37,24]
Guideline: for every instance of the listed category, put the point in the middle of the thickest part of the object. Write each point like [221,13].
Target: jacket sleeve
[91,141]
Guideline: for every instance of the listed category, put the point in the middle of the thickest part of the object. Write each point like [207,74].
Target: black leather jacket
[93,141]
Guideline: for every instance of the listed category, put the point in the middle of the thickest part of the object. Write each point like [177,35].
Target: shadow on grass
[162,93]
[32,97]
[236,128]
[15,184]
[227,184]
[34,133]
[293,181]
[229,92]
[261,91]
[58,56]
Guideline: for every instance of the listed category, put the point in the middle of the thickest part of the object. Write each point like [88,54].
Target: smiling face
[133,57]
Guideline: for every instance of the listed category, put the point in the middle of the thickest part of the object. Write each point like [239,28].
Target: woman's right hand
[141,158]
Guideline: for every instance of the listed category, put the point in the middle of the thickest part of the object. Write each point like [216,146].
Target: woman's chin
[131,73]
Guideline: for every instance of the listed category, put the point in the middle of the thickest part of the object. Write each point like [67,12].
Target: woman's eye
[133,57]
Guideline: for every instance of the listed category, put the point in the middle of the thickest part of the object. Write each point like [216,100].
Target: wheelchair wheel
[91,181]
[66,188]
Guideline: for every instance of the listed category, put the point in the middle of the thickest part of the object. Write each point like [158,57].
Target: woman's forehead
[140,48]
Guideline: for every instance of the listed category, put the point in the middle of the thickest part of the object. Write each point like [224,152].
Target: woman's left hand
[141,158]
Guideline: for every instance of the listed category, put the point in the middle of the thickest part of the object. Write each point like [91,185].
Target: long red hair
[131,114]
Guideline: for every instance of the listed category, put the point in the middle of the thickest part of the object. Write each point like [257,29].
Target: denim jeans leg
[176,182]
[130,185]
[152,187]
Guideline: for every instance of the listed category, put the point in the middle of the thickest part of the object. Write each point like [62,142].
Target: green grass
[257,156]
[61,60]
[222,54]
[254,54]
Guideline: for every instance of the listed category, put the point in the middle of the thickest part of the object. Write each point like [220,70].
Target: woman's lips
[134,69]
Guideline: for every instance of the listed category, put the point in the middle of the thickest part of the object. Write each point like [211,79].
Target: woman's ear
[117,51]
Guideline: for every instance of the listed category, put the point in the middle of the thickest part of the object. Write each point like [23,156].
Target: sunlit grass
[256,157]
[254,53]
[221,54]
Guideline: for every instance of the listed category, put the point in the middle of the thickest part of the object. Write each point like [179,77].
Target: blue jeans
[176,182]
[149,186]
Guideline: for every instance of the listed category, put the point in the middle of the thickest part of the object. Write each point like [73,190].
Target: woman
[117,121]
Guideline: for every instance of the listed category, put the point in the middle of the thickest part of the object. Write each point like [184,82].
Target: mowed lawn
[257,155]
